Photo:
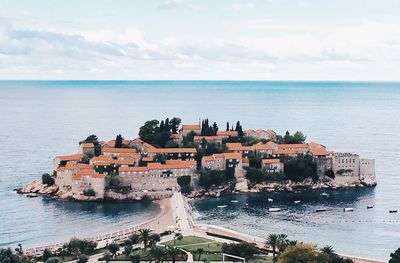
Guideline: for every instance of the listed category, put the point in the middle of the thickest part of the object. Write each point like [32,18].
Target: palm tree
[134,239]
[282,242]
[158,253]
[144,237]
[177,236]
[200,251]
[174,253]
[273,241]
[328,250]
[154,238]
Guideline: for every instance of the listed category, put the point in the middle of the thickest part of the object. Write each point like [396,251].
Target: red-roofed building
[87,149]
[188,128]
[62,160]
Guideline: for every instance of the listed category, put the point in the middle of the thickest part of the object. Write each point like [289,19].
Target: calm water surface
[43,119]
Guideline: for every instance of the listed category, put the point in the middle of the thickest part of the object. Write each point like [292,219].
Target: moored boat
[370,206]
[392,211]
[234,201]
[321,209]
[222,206]
[270,200]
[274,209]
[348,209]
[297,202]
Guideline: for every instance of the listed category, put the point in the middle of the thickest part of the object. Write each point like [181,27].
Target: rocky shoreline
[54,192]
[36,188]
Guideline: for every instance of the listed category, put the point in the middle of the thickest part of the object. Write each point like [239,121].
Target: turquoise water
[41,119]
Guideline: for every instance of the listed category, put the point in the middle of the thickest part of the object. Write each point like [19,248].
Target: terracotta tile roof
[172,150]
[227,133]
[208,138]
[237,156]
[132,169]
[245,160]
[266,146]
[317,149]
[237,146]
[133,155]
[118,150]
[292,146]
[190,127]
[269,161]
[209,158]
[147,159]
[86,172]
[285,151]
[101,158]
[72,157]
[87,145]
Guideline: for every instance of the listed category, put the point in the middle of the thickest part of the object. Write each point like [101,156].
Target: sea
[43,119]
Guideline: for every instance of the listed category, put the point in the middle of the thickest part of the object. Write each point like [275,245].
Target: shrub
[82,258]
[47,179]
[330,174]
[46,255]
[184,180]
[53,260]
[89,192]
[244,249]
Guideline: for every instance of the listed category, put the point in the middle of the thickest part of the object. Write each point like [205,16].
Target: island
[198,160]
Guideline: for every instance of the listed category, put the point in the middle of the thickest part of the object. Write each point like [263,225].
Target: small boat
[222,206]
[270,200]
[297,202]
[392,211]
[370,206]
[234,201]
[272,209]
[348,209]
[321,209]
[32,195]
[325,194]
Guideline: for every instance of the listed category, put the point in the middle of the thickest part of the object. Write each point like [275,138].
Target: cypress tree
[227,126]
[118,141]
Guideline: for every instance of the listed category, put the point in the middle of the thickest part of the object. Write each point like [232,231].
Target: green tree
[135,258]
[272,240]
[107,256]
[239,129]
[227,126]
[243,249]
[128,250]
[46,255]
[135,239]
[158,253]
[47,179]
[177,236]
[174,253]
[300,168]
[113,248]
[93,139]
[395,256]
[89,192]
[53,260]
[119,141]
[301,253]
[144,237]
[82,258]
[154,239]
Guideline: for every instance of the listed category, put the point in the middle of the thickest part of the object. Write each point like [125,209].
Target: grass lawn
[145,255]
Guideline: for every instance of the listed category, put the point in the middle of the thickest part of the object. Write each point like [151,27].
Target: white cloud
[178,4]
[347,52]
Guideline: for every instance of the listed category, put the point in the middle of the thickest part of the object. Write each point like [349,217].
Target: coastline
[164,220]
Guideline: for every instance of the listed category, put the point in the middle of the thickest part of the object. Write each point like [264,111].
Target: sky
[200,40]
